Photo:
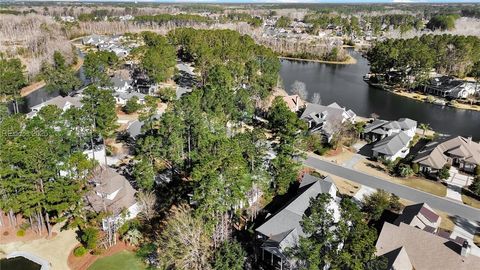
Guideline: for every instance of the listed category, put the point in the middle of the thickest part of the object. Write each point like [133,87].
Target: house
[63,103]
[294,102]
[283,229]
[94,40]
[327,119]
[121,98]
[421,216]
[120,83]
[380,129]
[456,151]
[406,248]
[392,147]
[449,87]
[112,193]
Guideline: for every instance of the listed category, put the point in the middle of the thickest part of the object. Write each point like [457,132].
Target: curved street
[443,204]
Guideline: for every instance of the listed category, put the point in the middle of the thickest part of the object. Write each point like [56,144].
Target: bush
[444,173]
[21,233]
[79,251]
[132,105]
[404,170]
[475,186]
[477,170]
[89,237]
[415,168]
[167,94]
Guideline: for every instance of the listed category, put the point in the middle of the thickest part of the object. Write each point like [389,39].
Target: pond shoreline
[350,61]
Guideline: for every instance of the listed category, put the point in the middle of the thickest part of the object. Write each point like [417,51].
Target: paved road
[451,207]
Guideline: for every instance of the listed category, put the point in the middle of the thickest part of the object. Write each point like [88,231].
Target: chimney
[469,140]
[465,249]
[296,103]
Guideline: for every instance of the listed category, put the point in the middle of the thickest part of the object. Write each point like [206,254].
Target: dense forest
[449,55]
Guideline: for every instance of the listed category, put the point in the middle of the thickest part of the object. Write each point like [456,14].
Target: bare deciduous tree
[299,88]
[316,99]
[147,200]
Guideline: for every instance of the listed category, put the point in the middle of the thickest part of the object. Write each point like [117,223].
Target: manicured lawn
[123,260]
[470,201]
[424,185]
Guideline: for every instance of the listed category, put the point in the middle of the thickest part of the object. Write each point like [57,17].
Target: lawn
[123,260]
[470,201]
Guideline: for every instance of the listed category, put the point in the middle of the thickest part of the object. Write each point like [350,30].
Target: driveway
[456,182]
[443,204]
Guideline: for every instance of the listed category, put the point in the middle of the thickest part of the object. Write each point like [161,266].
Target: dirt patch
[82,263]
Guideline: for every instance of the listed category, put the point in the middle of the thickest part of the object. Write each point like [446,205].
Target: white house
[63,103]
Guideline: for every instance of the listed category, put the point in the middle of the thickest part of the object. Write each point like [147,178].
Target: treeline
[457,56]
[323,21]
[179,19]
[443,22]
[405,22]
[244,17]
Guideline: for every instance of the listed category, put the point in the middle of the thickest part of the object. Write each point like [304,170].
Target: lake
[344,84]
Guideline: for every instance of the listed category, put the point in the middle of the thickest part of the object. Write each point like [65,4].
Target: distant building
[63,103]
[283,229]
[327,119]
[448,87]
[458,151]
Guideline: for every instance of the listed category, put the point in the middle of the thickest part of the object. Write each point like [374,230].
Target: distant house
[112,193]
[294,102]
[121,98]
[120,83]
[327,119]
[421,216]
[392,147]
[283,229]
[380,129]
[449,87]
[457,151]
[94,40]
[63,103]
[407,248]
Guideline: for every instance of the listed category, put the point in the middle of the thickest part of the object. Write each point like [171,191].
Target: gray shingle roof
[392,144]
[285,226]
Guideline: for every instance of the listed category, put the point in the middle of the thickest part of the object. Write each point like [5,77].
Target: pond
[344,84]
[18,263]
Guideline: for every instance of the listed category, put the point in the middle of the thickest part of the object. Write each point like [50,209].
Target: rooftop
[392,144]
[425,250]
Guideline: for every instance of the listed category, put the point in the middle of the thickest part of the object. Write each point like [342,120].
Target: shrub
[21,233]
[475,186]
[477,170]
[89,237]
[404,170]
[415,168]
[444,173]
[132,105]
[167,94]
[79,251]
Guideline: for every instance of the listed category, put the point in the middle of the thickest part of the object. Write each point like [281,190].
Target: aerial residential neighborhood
[238,135]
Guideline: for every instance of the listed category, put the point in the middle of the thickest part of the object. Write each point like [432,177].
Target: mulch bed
[8,233]
[82,263]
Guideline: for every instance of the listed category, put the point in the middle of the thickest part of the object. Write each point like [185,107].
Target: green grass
[123,260]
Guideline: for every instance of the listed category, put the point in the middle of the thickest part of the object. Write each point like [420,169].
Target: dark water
[18,263]
[344,84]
[42,94]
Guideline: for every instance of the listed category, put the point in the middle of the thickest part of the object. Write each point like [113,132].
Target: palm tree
[424,127]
